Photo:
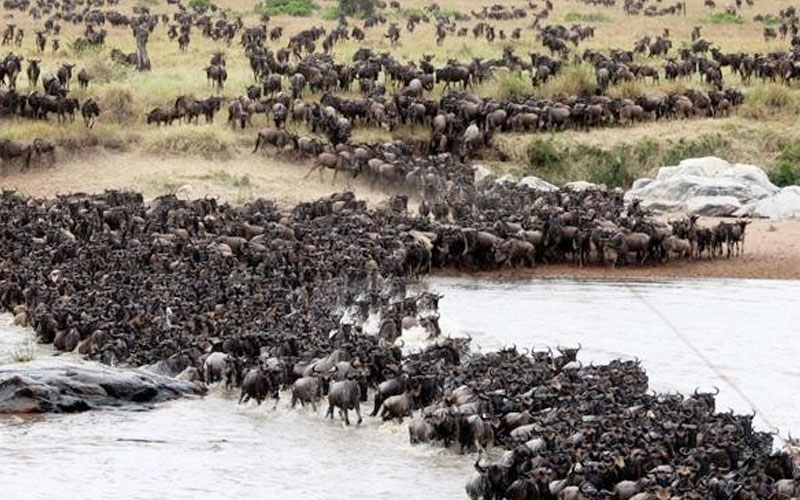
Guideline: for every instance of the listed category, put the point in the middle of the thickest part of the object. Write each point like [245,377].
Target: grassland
[758,133]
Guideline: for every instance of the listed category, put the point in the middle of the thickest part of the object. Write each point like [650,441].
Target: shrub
[331,13]
[787,170]
[626,90]
[357,7]
[574,80]
[704,145]
[544,156]
[609,167]
[725,18]
[296,8]
[766,100]
[590,17]
[199,5]
[510,84]
[116,105]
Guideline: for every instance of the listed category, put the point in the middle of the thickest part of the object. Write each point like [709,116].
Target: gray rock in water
[69,389]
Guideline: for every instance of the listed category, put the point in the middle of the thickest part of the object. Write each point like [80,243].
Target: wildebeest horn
[403,344]
[717,390]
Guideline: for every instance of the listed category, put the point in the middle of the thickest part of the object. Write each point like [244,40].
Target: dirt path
[241,179]
[772,248]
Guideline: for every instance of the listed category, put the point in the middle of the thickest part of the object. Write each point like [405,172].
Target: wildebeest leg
[258,143]
[335,171]
[358,412]
[346,417]
[329,413]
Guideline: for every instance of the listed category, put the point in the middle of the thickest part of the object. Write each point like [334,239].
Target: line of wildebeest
[268,299]
[393,93]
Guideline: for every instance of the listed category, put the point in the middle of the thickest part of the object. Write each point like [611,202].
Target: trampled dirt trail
[237,180]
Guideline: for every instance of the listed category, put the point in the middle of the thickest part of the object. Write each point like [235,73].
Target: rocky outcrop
[704,186]
[784,205]
[28,388]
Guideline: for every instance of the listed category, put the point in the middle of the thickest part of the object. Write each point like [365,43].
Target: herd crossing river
[210,447]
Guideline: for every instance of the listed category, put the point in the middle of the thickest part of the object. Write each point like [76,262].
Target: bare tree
[141,33]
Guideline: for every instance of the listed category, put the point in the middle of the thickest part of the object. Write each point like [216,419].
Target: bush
[508,84]
[199,5]
[609,167]
[704,145]
[787,170]
[626,90]
[591,17]
[331,13]
[116,105]
[357,7]
[574,80]
[766,100]
[543,156]
[296,8]
[725,18]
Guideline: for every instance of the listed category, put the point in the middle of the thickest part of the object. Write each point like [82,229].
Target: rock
[481,172]
[185,192]
[536,183]
[584,186]
[640,183]
[68,389]
[713,206]
[695,180]
[784,205]
[506,179]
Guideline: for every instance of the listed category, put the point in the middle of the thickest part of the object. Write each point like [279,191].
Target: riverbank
[772,248]
[771,251]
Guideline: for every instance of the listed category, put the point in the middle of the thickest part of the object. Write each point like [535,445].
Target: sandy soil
[772,248]
[238,180]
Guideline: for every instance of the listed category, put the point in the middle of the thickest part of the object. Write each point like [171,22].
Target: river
[209,448]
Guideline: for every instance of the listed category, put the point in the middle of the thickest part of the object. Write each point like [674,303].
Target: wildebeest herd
[300,81]
[268,300]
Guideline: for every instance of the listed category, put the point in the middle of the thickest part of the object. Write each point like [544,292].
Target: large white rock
[784,205]
[481,172]
[537,183]
[583,186]
[690,185]
[506,179]
[713,206]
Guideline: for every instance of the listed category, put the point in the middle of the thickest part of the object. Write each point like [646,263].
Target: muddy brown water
[211,448]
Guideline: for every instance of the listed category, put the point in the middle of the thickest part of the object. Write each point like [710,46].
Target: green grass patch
[787,168]
[296,8]
[586,17]
[725,18]
[224,177]
[509,84]
[617,166]
[767,100]
[574,80]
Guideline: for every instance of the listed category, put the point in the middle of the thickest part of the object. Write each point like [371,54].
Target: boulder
[584,186]
[690,185]
[506,179]
[68,389]
[713,206]
[784,205]
[536,183]
[481,172]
